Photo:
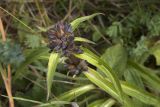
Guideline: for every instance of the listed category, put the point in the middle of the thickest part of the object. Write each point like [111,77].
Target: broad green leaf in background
[78,21]
[96,36]
[132,76]
[52,64]
[114,30]
[140,52]
[97,33]
[116,56]
[147,74]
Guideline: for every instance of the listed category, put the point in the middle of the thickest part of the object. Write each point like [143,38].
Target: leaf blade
[103,66]
[52,64]
[77,21]
[80,39]
[70,95]
[150,77]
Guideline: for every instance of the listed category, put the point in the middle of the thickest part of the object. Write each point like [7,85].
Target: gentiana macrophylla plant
[62,44]
[61,41]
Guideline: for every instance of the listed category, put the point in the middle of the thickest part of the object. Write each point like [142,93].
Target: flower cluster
[75,65]
[61,40]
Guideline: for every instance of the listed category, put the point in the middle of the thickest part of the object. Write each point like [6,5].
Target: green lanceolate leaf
[52,64]
[106,85]
[54,103]
[140,94]
[78,21]
[66,97]
[133,77]
[108,103]
[72,94]
[128,89]
[96,103]
[116,57]
[100,81]
[147,74]
[80,39]
[24,99]
[103,66]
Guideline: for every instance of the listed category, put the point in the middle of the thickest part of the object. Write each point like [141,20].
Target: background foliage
[122,47]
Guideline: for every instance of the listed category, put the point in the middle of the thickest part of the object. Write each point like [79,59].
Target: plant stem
[7,80]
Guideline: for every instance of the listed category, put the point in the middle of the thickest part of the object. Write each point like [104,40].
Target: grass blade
[109,103]
[78,21]
[139,94]
[72,94]
[17,19]
[80,39]
[24,99]
[106,85]
[52,64]
[96,103]
[150,77]
[53,103]
[99,80]
[103,66]
[133,91]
